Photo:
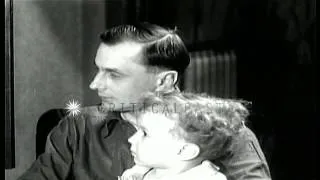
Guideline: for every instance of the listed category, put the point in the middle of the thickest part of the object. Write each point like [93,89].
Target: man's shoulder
[244,158]
[95,114]
[246,133]
[244,138]
[88,117]
[246,145]
[87,114]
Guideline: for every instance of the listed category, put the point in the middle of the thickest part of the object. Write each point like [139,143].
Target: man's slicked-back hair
[163,47]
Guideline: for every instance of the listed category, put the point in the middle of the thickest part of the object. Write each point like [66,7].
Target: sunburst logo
[73,107]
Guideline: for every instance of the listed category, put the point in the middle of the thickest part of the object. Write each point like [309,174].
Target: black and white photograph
[160,90]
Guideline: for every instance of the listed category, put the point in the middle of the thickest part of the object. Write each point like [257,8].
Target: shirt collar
[112,118]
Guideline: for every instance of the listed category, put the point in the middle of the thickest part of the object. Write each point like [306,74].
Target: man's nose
[96,82]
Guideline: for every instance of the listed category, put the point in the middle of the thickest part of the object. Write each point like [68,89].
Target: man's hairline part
[150,68]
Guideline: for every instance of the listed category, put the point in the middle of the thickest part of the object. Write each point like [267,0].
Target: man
[131,60]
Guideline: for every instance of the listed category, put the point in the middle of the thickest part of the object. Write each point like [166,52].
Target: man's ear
[189,151]
[166,81]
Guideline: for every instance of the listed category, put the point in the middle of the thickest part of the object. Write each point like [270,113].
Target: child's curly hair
[209,122]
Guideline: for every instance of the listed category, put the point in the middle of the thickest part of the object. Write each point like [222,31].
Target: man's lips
[133,153]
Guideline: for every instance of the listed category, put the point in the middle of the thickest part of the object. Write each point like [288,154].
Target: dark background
[275,45]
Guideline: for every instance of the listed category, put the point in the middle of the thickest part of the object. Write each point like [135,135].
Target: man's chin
[105,107]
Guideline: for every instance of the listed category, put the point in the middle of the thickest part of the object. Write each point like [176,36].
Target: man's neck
[171,90]
[127,116]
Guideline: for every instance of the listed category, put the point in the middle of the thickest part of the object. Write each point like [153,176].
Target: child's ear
[188,151]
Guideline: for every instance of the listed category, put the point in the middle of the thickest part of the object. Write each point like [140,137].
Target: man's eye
[142,132]
[145,134]
[114,75]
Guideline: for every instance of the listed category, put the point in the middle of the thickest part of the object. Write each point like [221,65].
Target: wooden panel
[9,117]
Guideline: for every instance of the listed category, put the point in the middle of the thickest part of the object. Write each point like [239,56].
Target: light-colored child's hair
[209,122]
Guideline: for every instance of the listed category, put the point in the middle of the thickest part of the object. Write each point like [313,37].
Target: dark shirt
[94,146]
[245,159]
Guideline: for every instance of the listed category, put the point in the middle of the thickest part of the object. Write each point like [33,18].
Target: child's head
[184,127]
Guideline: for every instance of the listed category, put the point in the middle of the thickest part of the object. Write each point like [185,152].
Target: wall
[93,23]
[54,48]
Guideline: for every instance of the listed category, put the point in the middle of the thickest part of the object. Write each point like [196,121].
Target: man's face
[121,78]
[153,145]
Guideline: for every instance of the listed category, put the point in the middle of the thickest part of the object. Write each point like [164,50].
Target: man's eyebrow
[114,70]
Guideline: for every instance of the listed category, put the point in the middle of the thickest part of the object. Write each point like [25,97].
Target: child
[177,133]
